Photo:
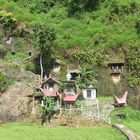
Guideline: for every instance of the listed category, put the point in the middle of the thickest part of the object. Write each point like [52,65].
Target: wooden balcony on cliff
[116,68]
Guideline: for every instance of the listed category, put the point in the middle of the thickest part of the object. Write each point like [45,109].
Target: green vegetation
[44,37]
[46,109]
[3,51]
[4,82]
[126,113]
[83,25]
[16,60]
[133,65]
[80,32]
[105,98]
[128,116]
[83,32]
[102,27]
[16,56]
[86,78]
[135,125]
[8,22]
[15,131]
[30,66]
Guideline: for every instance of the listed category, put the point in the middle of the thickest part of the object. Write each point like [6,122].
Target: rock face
[134,97]
[106,87]
[16,102]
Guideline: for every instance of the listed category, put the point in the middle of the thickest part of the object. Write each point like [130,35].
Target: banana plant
[46,109]
[86,78]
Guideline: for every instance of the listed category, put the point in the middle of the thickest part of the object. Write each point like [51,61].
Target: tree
[44,37]
[8,22]
[42,6]
[75,6]
[86,78]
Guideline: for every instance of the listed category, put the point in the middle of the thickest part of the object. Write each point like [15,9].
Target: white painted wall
[93,93]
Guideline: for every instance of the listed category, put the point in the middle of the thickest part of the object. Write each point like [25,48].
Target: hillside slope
[88,33]
[112,24]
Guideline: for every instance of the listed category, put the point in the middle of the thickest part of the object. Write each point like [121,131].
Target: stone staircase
[90,109]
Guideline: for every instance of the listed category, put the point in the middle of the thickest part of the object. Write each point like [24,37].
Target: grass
[135,125]
[105,98]
[131,119]
[16,131]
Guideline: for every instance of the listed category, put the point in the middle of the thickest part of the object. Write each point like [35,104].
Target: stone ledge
[131,135]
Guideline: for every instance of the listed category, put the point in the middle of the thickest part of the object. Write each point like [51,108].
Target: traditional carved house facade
[70,93]
[50,87]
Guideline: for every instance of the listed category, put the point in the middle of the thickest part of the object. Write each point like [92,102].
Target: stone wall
[92,109]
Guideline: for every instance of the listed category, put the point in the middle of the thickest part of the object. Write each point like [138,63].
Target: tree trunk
[41,68]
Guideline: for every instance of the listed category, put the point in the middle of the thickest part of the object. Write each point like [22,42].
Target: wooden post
[33,108]
[98,109]
[41,67]
[81,108]
[60,104]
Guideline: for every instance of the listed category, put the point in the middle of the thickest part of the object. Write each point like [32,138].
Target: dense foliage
[96,27]
[106,26]
[44,37]
[133,65]
[125,114]
[86,77]
[8,22]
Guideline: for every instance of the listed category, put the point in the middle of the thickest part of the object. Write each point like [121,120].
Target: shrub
[17,56]
[133,65]
[8,22]
[42,6]
[30,66]
[2,51]
[4,82]
[126,113]
[134,81]
[2,77]
[19,44]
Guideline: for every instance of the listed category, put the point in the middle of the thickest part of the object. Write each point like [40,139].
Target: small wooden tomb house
[50,87]
[69,94]
[89,93]
[69,87]
[116,67]
[115,70]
